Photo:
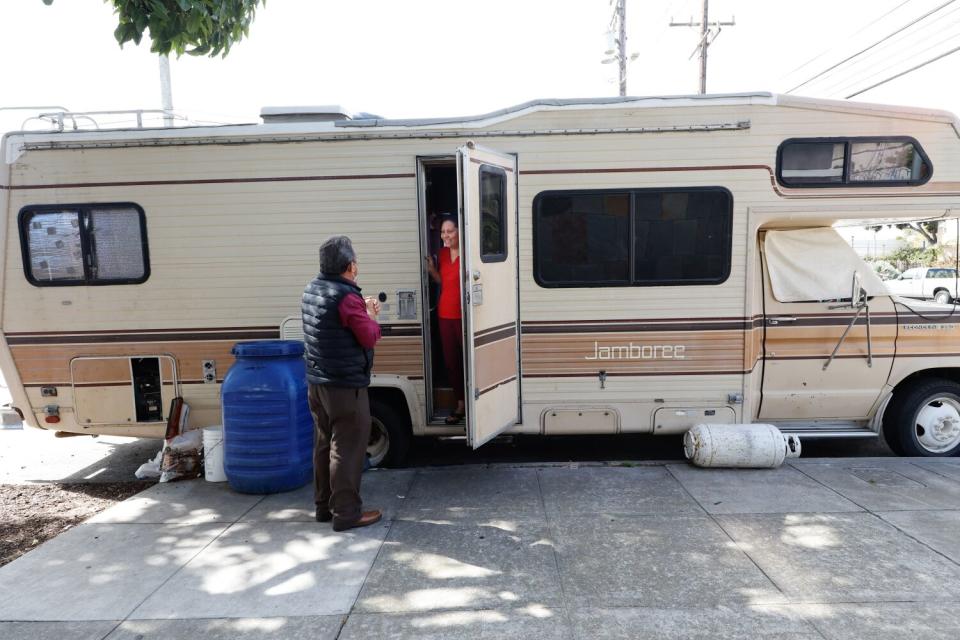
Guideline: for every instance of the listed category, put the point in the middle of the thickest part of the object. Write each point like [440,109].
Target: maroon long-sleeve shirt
[353,315]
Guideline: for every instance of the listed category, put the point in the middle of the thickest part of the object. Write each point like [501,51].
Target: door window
[493,206]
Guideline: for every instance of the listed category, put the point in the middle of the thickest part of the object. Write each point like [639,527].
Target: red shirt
[449,306]
[353,315]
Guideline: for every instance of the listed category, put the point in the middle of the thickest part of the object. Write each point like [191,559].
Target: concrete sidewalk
[838,549]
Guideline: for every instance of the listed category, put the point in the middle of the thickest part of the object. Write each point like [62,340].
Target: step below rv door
[487,189]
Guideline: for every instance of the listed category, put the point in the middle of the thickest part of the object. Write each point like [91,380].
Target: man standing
[340,330]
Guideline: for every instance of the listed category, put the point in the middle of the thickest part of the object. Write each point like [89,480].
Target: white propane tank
[760,446]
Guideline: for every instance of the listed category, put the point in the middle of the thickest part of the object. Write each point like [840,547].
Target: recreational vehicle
[629,265]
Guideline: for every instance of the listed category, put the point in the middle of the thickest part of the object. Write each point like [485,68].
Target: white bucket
[213,454]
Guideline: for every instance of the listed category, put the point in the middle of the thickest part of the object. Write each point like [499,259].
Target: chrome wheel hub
[938,425]
[379,442]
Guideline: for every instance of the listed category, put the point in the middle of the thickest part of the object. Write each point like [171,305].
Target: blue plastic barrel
[267,426]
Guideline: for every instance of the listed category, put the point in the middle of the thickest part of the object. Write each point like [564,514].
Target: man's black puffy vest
[333,354]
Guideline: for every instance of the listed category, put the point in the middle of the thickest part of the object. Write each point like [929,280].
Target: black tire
[942,297]
[392,425]
[903,425]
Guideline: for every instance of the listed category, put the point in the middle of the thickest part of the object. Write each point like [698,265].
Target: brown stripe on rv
[160,183]
[162,335]
[627,320]
[140,337]
[664,351]
[272,328]
[628,328]
[610,374]
[39,364]
[503,334]
[721,167]
[497,385]
[495,362]
[484,332]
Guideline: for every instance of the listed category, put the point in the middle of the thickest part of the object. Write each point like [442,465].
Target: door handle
[780,320]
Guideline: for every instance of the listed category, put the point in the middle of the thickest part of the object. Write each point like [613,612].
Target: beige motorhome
[633,265]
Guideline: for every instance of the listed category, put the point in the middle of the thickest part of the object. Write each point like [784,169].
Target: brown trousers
[342,430]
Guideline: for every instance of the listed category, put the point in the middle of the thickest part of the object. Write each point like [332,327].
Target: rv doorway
[438,202]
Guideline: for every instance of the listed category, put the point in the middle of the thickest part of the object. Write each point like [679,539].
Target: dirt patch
[31,514]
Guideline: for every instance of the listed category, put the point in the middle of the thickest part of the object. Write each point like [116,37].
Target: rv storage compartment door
[487,188]
[122,389]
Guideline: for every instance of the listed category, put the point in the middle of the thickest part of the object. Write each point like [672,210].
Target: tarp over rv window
[815,264]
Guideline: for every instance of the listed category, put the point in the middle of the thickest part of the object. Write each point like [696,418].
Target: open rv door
[487,188]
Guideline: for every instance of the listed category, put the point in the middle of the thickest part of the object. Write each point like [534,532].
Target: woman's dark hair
[449,217]
[336,254]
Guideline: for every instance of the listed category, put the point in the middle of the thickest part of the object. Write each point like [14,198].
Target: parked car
[928,283]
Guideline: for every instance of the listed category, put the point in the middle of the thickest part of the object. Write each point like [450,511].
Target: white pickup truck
[928,283]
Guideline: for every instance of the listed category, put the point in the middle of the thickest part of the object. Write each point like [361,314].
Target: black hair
[336,254]
[449,217]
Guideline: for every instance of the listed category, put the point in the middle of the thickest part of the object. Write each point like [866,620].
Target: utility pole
[166,94]
[617,47]
[622,45]
[707,36]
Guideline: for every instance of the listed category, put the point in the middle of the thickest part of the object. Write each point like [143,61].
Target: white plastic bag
[150,469]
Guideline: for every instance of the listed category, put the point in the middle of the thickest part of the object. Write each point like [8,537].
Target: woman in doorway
[447,274]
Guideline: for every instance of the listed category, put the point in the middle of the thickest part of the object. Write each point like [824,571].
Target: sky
[423,58]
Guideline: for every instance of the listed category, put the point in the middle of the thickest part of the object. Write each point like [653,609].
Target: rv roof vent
[321,113]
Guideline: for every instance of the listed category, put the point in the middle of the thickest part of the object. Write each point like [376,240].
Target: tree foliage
[928,230]
[906,257]
[195,27]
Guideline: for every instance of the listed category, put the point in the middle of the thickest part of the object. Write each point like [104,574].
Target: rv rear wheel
[389,435]
[942,297]
[924,419]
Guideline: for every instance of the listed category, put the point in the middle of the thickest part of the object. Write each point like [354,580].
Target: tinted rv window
[582,239]
[682,237]
[852,161]
[493,228]
[884,162]
[84,244]
[640,237]
[812,162]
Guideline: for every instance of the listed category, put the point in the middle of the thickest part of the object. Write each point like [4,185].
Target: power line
[905,45]
[878,42]
[903,73]
[885,62]
[885,69]
[852,35]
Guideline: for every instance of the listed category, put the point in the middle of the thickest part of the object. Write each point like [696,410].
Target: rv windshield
[807,265]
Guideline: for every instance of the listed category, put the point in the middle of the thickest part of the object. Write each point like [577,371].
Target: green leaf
[197,27]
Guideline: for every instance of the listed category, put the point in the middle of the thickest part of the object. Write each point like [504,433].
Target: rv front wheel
[925,419]
[389,435]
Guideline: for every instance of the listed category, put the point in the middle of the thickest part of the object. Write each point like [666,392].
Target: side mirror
[857,293]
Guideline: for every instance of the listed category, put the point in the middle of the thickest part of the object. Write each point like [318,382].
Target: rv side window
[84,244]
[886,161]
[828,162]
[640,237]
[812,162]
[493,230]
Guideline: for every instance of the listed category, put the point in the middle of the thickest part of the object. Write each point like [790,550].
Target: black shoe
[323,515]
